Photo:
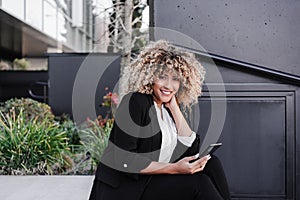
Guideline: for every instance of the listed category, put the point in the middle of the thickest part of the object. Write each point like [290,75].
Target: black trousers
[210,184]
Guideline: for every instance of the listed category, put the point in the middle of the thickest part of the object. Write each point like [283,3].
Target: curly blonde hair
[159,57]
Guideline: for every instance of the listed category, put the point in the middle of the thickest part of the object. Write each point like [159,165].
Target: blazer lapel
[157,137]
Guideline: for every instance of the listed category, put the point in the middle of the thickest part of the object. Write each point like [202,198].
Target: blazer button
[125,165]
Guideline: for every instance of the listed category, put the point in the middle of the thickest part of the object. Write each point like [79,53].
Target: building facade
[31,28]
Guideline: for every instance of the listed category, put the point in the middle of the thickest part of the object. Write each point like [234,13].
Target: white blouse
[169,134]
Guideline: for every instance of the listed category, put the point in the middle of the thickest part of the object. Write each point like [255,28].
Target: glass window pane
[62,31]
[50,20]
[34,14]
[10,6]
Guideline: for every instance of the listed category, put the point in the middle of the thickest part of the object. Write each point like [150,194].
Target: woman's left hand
[172,104]
[189,165]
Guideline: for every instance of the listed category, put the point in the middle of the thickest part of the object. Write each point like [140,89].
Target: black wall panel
[257,147]
[259,135]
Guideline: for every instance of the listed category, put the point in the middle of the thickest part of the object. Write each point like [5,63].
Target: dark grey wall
[66,69]
[17,84]
[262,41]
[261,32]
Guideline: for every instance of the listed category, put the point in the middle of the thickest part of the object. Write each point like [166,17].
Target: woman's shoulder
[137,105]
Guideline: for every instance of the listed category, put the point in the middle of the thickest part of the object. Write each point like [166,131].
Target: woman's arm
[184,131]
[183,166]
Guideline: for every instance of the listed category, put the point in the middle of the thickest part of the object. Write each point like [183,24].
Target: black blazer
[134,143]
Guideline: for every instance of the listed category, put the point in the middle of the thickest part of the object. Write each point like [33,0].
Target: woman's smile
[166,92]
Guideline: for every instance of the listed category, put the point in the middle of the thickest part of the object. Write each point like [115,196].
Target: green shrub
[68,125]
[31,146]
[21,64]
[32,110]
[41,112]
[94,138]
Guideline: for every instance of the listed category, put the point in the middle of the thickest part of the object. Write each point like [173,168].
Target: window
[50,19]
[10,6]
[34,13]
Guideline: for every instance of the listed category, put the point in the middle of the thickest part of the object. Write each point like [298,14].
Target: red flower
[114,98]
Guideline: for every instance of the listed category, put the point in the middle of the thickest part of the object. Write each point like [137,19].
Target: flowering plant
[109,100]
[95,134]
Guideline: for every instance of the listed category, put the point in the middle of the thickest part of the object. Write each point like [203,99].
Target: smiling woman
[156,151]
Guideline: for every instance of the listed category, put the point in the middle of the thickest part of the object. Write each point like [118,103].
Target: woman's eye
[176,78]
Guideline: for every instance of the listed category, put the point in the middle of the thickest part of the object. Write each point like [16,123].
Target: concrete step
[45,187]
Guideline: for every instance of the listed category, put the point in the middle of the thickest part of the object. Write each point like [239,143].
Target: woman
[152,151]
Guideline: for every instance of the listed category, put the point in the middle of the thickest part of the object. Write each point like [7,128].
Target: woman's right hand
[189,165]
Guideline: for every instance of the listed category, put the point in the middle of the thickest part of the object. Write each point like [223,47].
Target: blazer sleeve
[122,151]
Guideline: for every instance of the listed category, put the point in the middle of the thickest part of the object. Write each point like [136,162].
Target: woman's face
[165,87]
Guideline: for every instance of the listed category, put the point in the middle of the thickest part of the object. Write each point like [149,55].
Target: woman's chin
[166,100]
[163,98]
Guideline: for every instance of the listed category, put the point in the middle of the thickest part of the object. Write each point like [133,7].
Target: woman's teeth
[166,92]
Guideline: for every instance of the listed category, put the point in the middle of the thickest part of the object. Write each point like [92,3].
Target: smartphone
[210,149]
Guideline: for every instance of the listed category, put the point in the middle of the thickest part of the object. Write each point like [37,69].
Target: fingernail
[197,155]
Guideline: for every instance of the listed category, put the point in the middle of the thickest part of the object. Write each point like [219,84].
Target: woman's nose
[168,83]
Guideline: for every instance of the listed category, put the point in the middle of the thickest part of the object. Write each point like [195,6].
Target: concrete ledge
[45,187]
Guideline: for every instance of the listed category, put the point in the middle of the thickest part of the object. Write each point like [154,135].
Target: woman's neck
[158,103]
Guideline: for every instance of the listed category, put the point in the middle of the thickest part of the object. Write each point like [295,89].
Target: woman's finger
[190,158]
[200,166]
[199,169]
[197,164]
[202,160]
[207,157]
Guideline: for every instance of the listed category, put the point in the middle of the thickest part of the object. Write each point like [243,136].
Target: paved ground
[45,187]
